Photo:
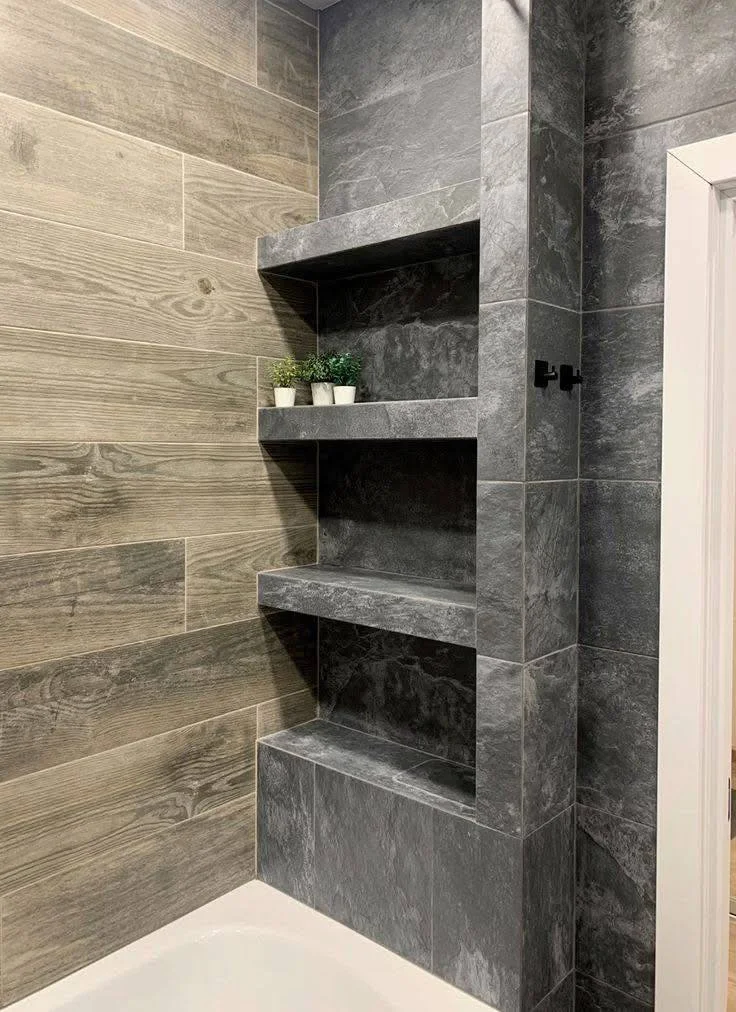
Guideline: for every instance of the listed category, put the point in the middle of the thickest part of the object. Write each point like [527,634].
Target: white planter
[322,394]
[345,395]
[284,397]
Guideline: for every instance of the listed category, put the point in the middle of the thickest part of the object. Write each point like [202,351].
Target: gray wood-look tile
[77,282]
[617,733]
[222,570]
[64,922]
[121,185]
[502,377]
[58,387]
[373,863]
[287,55]
[500,570]
[287,711]
[504,210]
[63,710]
[60,57]
[286,824]
[226,211]
[619,565]
[59,603]
[500,745]
[68,495]
[477,936]
[621,397]
[616,903]
[76,812]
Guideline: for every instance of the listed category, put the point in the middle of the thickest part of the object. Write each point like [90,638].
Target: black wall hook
[543,373]
[568,378]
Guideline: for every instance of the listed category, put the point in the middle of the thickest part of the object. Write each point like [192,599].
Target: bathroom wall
[144,145]
[658,75]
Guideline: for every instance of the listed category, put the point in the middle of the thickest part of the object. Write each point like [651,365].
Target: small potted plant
[284,376]
[345,371]
[315,370]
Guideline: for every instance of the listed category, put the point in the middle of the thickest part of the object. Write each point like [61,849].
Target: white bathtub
[253,950]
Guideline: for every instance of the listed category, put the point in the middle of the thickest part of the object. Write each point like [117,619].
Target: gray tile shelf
[397,768]
[443,222]
[426,608]
[446,418]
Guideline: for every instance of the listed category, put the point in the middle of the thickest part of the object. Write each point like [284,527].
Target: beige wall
[144,144]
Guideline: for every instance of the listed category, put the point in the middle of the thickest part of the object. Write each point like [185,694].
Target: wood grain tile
[222,571]
[58,603]
[219,33]
[59,387]
[121,185]
[59,57]
[287,55]
[225,211]
[66,280]
[64,922]
[58,818]
[287,711]
[66,709]
[71,495]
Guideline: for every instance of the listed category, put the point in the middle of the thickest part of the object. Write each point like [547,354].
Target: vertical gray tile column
[527,520]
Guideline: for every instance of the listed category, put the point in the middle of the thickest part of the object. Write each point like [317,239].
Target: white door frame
[697,578]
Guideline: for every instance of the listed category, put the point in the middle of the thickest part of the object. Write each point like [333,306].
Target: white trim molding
[697,579]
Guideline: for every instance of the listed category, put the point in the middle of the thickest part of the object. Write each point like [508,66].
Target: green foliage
[286,372]
[345,368]
[316,369]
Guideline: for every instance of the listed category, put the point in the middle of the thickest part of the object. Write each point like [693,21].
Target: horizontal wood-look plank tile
[222,570]
[58,603]
[219,33]
[225,211]
[55,819]
[74,495]
[64,922]
[67,280]
[120,185]
[59,57]
[286,711]
[64,387]
[287,55]
[63,710]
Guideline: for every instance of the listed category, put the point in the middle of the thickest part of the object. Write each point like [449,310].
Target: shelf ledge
[425,608]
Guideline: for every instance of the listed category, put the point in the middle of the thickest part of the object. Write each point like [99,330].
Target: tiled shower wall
[143,147]
[658,76]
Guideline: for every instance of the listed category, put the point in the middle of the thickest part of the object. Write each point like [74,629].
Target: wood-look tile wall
[144,146]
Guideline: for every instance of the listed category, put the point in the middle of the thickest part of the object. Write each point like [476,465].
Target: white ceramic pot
[284,397]
[322,394]
[345,395]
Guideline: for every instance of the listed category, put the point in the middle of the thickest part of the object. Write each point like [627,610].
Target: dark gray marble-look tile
[416,692]
[562,999]
[400,507]
[504,209]
[621,397]
[408,42]
[407,143]
[373,863]
[617,733]
[549,908]
[653,61]
[555,216]
[502,368]
[616,902]
[286,823]
[415,327]
[499,750]
[287,55]
[505,59]
[552,415]
[619,565]
[592,996]
[477,933]
[558,65]
[500,570]
[550,691]
[623,254]
[551,567]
